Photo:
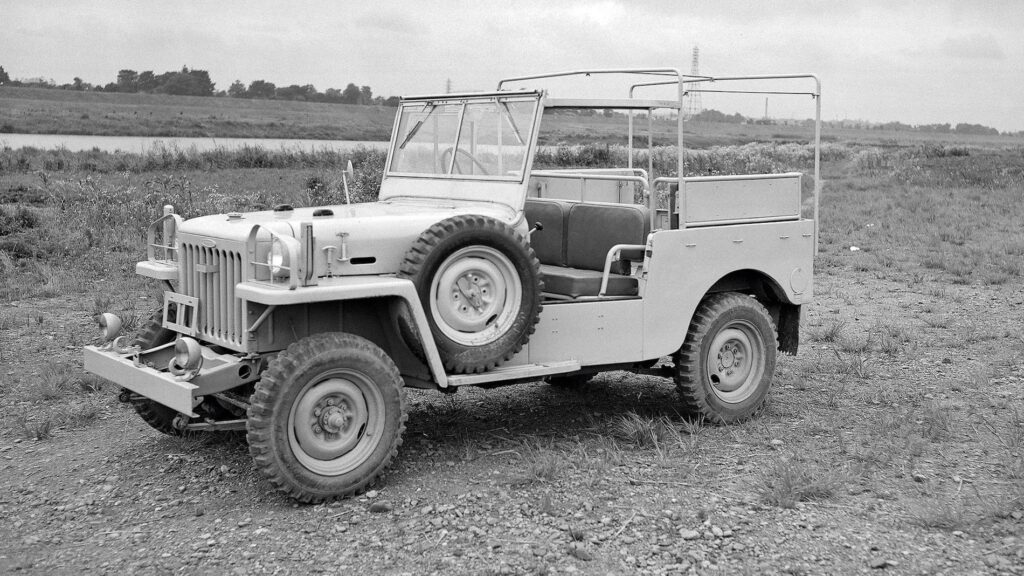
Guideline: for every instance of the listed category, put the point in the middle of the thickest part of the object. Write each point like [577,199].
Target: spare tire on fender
[479,283]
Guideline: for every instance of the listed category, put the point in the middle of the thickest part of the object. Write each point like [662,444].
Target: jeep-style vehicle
[303,326]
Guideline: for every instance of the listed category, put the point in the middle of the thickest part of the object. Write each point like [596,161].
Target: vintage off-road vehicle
[303,326]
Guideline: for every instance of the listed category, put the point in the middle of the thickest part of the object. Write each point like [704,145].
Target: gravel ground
[530,479]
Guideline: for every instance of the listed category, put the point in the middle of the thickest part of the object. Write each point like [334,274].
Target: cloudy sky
[918,62]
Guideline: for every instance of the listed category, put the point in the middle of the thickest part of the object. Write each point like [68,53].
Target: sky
[918,62]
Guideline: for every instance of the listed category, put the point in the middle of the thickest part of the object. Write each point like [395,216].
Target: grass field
[898,430]
[42,111]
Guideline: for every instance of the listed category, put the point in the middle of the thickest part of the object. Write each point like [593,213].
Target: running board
[523,372]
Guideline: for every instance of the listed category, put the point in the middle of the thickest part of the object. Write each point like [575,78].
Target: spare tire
[479,283]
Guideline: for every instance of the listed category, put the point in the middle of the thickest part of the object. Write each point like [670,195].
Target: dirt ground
[890,444]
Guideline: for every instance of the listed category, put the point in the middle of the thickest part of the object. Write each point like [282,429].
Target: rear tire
[725,366]
[327,417]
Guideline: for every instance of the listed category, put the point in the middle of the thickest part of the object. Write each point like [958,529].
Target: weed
[644,431]
[941,516]
[936,421]
[34,429]
[541,465]
[830,332]
[936,321]
[834,393]
[787,481]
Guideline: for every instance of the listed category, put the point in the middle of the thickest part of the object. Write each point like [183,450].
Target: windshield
[487,138]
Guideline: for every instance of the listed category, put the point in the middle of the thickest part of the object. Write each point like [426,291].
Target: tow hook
[124,396]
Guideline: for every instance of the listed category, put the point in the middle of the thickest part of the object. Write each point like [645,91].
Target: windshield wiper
[416,128]
[512,123]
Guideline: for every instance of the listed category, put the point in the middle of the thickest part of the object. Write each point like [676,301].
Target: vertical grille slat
[210,274]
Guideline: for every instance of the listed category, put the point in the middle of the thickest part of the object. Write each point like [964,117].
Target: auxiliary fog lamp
[188,358]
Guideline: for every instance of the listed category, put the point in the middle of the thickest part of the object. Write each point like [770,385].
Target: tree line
[198,83]
[194,82]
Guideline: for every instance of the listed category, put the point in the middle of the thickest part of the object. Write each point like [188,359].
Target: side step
[521,372]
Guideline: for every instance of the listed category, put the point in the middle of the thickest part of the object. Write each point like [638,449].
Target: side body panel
[592,333]
[684,264]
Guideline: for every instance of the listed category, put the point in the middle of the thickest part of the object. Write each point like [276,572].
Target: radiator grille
[210,274]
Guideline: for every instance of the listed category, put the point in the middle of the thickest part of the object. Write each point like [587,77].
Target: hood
[377,234]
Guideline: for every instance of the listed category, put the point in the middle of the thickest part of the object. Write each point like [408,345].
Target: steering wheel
[477,163]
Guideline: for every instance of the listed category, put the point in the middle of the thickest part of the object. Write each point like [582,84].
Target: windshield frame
[525,135]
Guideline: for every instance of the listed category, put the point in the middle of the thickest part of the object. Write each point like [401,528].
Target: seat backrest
[593,228]
[549,243]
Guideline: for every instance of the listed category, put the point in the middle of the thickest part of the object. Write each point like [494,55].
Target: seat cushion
[574,282]
[593,229]
[549,243]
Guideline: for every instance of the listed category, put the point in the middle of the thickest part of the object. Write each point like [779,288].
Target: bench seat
[574,241]
[576,282]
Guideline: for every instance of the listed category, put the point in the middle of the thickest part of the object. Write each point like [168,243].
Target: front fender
[340,288]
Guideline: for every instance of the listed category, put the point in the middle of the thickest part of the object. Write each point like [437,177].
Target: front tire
[725,366]
[327,417]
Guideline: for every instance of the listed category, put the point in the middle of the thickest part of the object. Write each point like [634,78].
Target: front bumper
[158,386]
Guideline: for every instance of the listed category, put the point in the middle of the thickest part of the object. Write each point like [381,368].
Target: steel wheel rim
[349,411]
[475,295]
[735,362]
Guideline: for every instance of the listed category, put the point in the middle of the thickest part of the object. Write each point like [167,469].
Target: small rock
[371,494]
[689,534]
[777,442]
[879,563]
[381,506]
[580,553]
[716,532]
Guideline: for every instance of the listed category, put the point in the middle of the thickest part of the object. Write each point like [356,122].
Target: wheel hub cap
[735,361]
[330,419]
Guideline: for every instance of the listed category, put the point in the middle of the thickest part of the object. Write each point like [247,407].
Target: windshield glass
[476,139]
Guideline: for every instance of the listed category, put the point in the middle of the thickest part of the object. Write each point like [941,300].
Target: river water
[140,144]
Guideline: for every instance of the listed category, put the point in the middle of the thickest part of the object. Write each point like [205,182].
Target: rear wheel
[725,367]
[327,417]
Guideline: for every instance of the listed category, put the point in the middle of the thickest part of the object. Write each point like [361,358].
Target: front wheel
[327,417]
[726,364]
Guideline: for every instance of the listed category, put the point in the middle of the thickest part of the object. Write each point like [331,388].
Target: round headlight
[277,259]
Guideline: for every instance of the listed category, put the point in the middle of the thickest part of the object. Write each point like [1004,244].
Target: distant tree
[964,128]
[146,82]
[261,89]
[237,89]
[392,101]
[296,92]
[365,95]
[127,81]
[110,87]
[78,85]
[4,77]
[332,95]
[351,94]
